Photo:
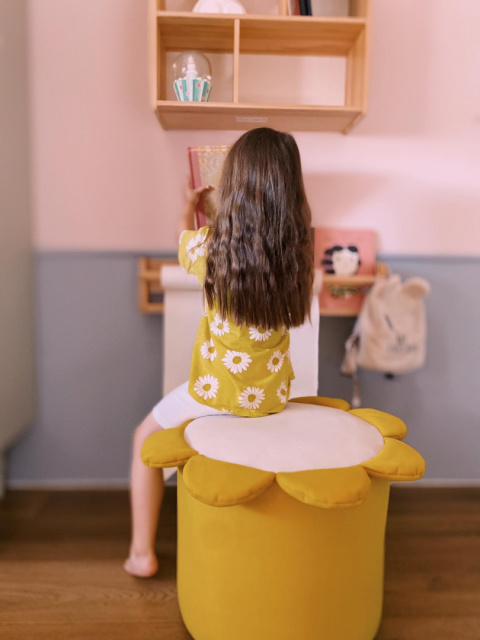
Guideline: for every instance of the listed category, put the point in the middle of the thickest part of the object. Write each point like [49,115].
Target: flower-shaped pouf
[298,552]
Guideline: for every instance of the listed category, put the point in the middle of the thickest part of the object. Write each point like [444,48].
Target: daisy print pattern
[276,361]
[251,398]
[219,326]
[206,387]
[259,334]
[196,247]
[282,392]
[236,361]
[208,350]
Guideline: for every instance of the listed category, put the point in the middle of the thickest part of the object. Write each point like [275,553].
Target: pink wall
[106,176]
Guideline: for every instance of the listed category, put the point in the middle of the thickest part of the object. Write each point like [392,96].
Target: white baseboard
[444,483]
[68,484]
[122,483]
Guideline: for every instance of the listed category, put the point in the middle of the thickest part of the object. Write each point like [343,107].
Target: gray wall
[440,402]
[99,371]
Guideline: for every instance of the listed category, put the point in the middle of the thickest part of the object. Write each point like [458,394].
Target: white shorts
[179,407]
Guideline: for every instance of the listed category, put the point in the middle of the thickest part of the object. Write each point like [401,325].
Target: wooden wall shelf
[240,117]
[253,34]
[150,290]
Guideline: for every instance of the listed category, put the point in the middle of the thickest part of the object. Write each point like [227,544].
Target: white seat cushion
[301,437]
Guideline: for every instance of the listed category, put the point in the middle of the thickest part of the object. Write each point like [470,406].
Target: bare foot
[141,566]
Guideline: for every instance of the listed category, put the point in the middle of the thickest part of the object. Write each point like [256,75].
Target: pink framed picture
[344,253]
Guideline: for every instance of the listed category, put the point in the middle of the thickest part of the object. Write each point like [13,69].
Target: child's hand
[192,196]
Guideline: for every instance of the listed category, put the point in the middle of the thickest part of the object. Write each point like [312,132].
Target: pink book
[293,7]
[344,252]
[206,165]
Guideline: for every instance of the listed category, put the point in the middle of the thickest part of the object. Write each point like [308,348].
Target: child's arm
[192,196]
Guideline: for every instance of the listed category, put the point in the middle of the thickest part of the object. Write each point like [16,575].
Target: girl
[256,266]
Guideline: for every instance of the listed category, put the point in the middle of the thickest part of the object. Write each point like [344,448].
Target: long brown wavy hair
[259,266]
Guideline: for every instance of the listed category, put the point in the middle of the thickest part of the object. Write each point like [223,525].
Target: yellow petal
[342,487]
[335,403]
[167,448]
[388,425]
[223,484]
[396,461]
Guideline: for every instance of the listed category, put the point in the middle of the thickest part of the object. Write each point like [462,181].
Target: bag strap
[350,365]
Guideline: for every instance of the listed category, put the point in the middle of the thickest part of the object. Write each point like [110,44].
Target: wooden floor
[61,573]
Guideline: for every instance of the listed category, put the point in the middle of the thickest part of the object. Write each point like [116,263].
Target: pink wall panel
[107,177]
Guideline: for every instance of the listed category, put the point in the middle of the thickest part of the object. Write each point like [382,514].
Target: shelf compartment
[240,117]
[309,80]
[281,35]
[222,77]
[338,8]
[252,7]
[204,32]
[300,35]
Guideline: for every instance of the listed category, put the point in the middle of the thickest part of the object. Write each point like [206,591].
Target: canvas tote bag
[389,335]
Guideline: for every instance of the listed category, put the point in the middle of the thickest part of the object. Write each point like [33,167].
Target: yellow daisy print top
[244,370]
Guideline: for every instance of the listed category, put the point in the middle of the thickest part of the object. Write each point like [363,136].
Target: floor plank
[61,572]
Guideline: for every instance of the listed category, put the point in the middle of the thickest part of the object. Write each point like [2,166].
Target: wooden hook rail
[150,290]
[149,284]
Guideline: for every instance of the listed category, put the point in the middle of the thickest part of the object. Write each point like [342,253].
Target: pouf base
[275,568]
